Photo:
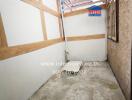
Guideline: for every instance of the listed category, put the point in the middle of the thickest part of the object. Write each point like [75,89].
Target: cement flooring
[95,81]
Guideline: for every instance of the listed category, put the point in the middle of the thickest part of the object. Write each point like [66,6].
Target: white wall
[21,22]
[87,50]
[51,4]
[83,25]
[52,26]
[22,75]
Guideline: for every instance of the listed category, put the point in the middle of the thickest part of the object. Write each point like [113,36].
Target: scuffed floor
[95,81]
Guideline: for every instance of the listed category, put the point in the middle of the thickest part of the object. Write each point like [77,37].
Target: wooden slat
[7,52]
[88,37]
[43,22]
[59,19]
[13,51]
[43,7]
[3,40]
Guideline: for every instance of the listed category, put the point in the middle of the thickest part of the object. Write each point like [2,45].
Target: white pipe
[66,51]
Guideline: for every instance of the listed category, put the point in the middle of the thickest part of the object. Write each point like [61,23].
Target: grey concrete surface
[95,81]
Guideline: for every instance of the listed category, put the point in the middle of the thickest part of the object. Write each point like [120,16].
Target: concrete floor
[95,81]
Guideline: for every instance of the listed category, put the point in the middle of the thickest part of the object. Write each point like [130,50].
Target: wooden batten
[43,24]
[8,52]
[59,18]
[43,7]
[3,40]
[88,37]
[42,16]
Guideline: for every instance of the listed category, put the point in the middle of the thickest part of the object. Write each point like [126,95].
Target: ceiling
[75,4]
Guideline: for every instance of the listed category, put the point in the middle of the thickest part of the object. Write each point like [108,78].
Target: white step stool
[72,67]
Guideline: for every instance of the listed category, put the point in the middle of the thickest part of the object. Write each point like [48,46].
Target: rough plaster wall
[119,54]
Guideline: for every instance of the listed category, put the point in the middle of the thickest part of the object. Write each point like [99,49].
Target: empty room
[65,49]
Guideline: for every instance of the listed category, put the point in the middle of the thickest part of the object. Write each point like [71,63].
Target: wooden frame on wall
[12,51]
[113,20]
[59,18]
[8,52]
